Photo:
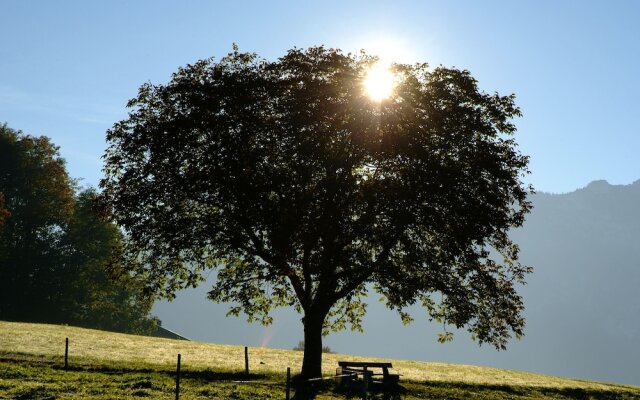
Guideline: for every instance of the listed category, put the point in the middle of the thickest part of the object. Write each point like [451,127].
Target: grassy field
[114,366]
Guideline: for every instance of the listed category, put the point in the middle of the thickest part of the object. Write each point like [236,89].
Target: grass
[115,366]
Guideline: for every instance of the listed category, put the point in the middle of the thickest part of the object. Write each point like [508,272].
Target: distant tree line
[300,347]
[55,251]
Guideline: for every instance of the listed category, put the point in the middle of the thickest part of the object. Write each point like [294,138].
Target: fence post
[288,382]
[366,383]
[178,378]
[246,361]
[66,353]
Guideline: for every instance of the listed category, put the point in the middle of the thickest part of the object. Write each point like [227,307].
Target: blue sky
[67,68]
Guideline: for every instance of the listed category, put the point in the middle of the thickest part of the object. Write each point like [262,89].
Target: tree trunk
[312,360]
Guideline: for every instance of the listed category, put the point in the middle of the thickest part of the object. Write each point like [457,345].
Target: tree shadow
[395,393]
[585,394]
[217,376]
[310,390]
[507,389]
[459,390]
[200,375]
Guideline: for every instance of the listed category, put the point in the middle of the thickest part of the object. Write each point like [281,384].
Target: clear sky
[67,68]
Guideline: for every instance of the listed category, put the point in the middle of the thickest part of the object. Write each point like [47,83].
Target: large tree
[303,191]
[54,249]
[39,194]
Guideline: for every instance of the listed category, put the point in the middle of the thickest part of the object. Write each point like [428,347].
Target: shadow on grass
[119,369]
[435,390]
[389,394]
[459,390]
[588,394]
[507,389]
[214,376]
[198,375]
[304,390]
[34,393]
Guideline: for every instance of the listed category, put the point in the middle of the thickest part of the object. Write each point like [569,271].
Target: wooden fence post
[366,383]
[246,361]
[288,383]
[66,353]
[178,378]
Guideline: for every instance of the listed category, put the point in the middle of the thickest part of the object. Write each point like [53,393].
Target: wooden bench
[351,370]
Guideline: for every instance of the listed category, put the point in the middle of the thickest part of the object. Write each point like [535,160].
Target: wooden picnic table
[351,369]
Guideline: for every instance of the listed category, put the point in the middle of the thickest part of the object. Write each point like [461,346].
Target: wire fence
[351,375]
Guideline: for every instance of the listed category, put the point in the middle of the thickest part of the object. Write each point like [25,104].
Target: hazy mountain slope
[583,303]
[583,300]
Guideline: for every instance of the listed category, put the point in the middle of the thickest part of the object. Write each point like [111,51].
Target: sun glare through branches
[379,82]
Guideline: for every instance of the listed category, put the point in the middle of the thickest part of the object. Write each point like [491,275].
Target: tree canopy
[4,213]
[54,250]
[38,193]
[302,191]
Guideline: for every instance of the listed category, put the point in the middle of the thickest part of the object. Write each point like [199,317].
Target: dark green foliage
[4,213]
[97,299]
[306,193]
[54,249]
[38,193]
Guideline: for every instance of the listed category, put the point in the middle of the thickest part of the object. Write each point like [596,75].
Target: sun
[379,82]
